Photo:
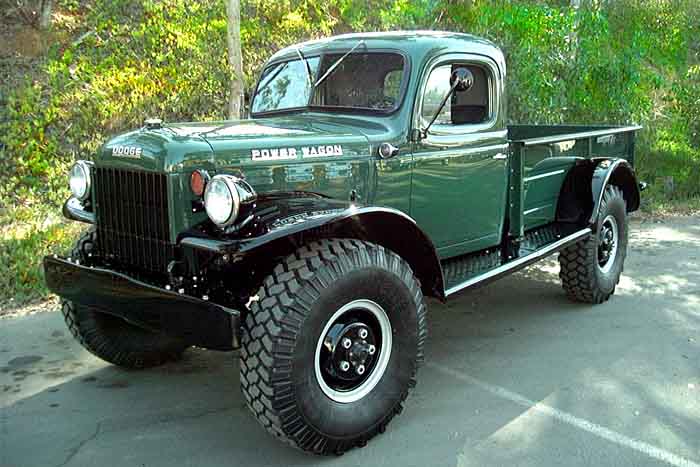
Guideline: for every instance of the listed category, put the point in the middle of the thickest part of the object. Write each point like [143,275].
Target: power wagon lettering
[291,153]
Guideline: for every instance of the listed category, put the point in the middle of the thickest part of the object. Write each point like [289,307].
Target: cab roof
[416,44]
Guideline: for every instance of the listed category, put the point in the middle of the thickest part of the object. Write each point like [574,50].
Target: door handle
[500,156]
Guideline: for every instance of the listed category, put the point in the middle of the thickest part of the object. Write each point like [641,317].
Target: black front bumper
[195,320]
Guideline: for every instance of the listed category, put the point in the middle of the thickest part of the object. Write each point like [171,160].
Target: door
[460,179]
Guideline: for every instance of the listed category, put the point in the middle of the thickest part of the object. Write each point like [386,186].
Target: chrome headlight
[224,196]
[79,180]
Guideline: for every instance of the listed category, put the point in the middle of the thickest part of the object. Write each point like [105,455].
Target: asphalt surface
[515,375]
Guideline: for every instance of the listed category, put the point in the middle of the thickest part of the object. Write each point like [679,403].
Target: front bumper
[198,322]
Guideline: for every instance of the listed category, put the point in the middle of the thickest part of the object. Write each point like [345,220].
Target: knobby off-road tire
[281,375]
[111,338]
[585,274]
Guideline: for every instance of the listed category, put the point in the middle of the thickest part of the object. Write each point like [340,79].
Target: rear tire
[111,338]
[591,268]
[329,308]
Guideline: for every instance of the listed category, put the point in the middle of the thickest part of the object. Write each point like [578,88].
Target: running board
[519,263]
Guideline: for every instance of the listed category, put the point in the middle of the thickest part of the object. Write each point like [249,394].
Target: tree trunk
[45,14]
[235,58]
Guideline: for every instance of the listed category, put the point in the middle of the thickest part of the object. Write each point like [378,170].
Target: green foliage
[28,235]
[127,65]
[629,61]
[114,63]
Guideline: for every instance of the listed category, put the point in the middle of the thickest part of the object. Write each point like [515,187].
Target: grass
[27,234]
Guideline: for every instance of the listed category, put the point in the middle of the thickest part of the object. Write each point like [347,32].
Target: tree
[45,8]
[36,13]
[235,59]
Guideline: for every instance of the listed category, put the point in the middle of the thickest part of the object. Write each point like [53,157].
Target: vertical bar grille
[132,218]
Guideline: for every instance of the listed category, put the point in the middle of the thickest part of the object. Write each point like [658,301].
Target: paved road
[516,375]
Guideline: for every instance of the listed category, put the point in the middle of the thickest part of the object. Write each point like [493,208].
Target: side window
[464,108]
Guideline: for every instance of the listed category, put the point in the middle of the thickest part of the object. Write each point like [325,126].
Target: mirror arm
[424,131]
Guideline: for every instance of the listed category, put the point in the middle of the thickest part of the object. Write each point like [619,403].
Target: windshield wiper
[306,63]
[337,62]
[272,76]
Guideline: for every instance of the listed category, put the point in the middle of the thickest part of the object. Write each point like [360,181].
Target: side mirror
[461,79]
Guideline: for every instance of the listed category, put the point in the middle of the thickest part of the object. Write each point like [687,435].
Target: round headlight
[223,197]
[220,201]
[79,180]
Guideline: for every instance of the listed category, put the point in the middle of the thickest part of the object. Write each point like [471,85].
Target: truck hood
[234,146]
[319,154]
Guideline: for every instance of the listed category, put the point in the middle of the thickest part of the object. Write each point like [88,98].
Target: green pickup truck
[374,170]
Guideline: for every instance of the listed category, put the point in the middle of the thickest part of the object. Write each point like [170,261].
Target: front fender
[281,225]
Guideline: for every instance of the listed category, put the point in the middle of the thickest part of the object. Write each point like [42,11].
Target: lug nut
[363,333]
[344,366]
[371,349]
[360,369]
[346,342]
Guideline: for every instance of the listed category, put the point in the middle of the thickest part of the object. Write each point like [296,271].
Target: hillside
[104,66]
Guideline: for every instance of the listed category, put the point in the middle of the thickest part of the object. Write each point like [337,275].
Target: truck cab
[389,87]
[374,169]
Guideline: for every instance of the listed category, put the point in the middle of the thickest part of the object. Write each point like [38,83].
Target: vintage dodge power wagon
[374,170]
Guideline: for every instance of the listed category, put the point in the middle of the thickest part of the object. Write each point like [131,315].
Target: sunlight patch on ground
[546,409]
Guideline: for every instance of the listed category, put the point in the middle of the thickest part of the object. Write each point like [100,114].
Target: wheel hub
[352,348]
[607,243]
[353,351]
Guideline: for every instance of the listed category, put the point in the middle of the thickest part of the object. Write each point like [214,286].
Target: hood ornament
[153,123]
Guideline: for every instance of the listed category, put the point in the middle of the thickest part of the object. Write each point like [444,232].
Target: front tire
[111,338]
[591,268]
[331,346]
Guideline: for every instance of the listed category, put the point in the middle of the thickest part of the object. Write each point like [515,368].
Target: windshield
[366,81]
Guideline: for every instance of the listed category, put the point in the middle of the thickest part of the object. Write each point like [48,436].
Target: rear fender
[617,172]
[582,192]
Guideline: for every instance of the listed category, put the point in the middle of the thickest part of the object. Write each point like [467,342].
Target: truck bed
[541,156]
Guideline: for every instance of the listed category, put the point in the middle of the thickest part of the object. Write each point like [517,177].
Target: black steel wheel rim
[353,351]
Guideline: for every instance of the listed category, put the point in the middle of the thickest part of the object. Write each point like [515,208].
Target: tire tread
[578,262]
[266,366]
